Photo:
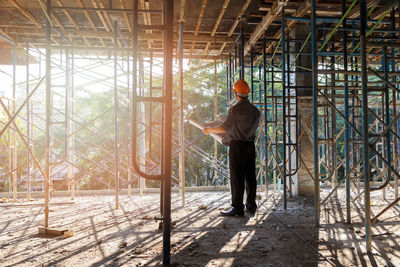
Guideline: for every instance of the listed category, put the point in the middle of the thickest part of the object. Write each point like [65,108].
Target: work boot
[232,212]
[250,208]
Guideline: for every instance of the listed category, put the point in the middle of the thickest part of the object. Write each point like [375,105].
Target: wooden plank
[265,23]
[187,37]
[27,14]
[200,18]
[56,232]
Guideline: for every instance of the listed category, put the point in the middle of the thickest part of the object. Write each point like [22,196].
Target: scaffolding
[353,70]
[351,61]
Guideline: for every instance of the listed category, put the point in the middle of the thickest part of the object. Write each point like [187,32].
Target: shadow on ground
[130,236]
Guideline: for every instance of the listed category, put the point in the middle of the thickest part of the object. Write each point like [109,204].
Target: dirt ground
[130,236]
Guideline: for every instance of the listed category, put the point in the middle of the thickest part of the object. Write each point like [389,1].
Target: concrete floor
[130,236]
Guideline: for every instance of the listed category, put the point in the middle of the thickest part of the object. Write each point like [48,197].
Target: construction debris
[55,232]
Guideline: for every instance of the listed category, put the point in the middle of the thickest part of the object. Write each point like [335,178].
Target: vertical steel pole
[215,118]
[15,147]
[346,114]
[28,129]
[227,77]
[394,105]
[72,125]
[168,39]
[260,100]
[252,75]
[142,128]
[67,118]
[289,127]
[332,127]
[364,92]
[241,53]
[387,113]
[48,119]
[181,119]
[135,27]
[265,117]
[284,108]
[129,132]
[231,70]
[275,125]
[116,116]
[314,59]
[10,153]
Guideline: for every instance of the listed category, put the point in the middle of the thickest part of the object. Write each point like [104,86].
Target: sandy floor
[130,236]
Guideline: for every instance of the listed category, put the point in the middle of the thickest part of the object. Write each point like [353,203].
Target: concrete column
[305,109]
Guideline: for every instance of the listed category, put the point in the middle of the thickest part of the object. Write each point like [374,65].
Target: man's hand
[214,130]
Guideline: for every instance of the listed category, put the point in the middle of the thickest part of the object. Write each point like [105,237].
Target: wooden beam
[221,14]
[100,15]
[216,25]
[300,12]
[263,25]
[188,37]
[90,20]
[239,17]
[27,14]
[2,32]
[182,11]
[87,15]
[59,3]
[53,16]
[146,19]
[66,13]
[126,17]
[155,51]
[234,25]
[108,20]
[199,19]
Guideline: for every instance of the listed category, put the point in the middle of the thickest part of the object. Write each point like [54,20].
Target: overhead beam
[100,15]
[87,15]
[129,49]
[216,25]
[89,18]
[66,13]
[188,37]
[27,14]
[126,17]
[199,19]
[146,19]
[234,25]
[267,20]
[300,12]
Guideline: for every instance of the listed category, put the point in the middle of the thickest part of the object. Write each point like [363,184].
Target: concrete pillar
[303,81]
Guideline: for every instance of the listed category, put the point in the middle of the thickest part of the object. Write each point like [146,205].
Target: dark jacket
[242,122]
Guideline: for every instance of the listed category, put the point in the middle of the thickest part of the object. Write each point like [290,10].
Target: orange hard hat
[241,87]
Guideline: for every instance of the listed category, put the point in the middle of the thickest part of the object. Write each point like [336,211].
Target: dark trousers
[242,167]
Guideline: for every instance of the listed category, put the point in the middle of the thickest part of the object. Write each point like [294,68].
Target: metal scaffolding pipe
[284,122]
[317,200]
[28,129]
[168,20]
[116,117]
[364,102]
[48,118]
[181,119]
[215,118]
[346,114]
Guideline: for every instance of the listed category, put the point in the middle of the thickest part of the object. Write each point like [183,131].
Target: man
[240,127]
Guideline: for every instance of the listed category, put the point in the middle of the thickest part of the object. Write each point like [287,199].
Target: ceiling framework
[210,27]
